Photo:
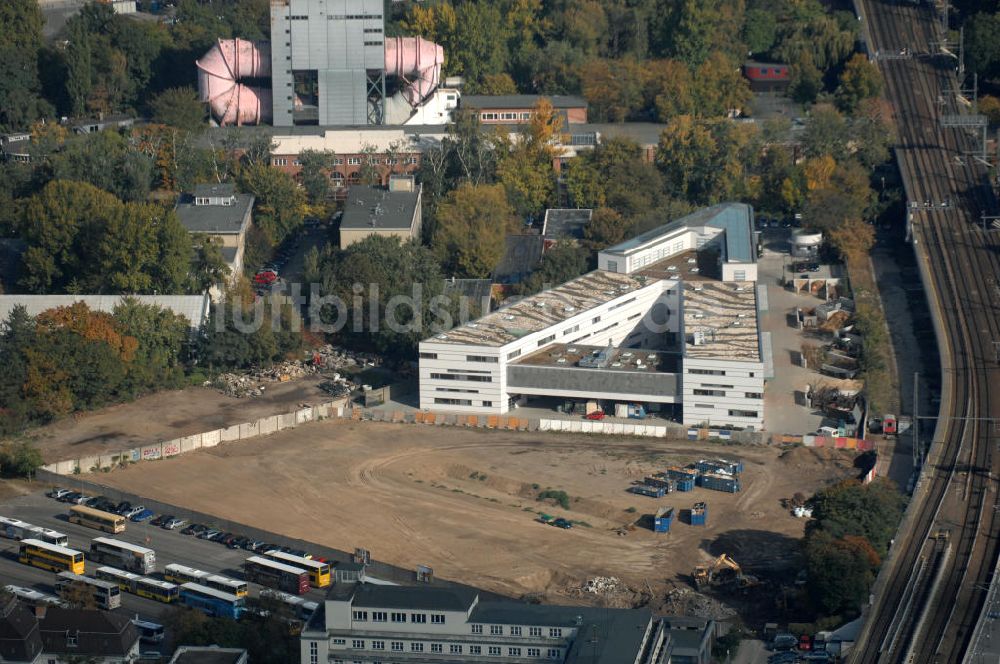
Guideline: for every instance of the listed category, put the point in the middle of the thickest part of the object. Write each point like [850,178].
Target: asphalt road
[170,546]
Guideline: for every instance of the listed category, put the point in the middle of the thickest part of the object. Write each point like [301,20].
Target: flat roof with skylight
[548,308]
[720,321]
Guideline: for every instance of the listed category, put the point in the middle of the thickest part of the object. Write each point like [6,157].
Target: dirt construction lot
[465,501]
[167,415]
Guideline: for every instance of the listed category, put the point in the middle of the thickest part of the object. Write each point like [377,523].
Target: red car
[596,415]
[265,278]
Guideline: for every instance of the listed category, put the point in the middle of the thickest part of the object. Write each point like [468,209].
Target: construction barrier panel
[173,447]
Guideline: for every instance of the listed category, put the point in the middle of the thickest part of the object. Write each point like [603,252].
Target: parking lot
[782,412]
[170,545]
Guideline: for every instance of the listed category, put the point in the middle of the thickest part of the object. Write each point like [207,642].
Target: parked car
[209,533]
[194,529]
[160,520]
[173,523]
[144,515]
[132,511]
[103,505]
[57,493]
[260,547]
[596,415]
[562,523]
[69,497]
[123,507]
[300,553]
[236,543]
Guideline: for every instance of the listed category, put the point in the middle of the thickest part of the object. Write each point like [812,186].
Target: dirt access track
[464,501]
[166,415]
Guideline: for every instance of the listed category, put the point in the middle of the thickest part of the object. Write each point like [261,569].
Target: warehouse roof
[194,308]
[544,309]
[214,218]
[521,101]
[414,597]
[734,219]
[379,208]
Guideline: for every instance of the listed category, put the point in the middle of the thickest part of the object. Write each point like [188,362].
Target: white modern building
[668,320]
[365,624]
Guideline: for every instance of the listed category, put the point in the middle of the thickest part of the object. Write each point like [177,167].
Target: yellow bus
[88,516]
[143,586]
[52,557]
[319,573]
[181,574]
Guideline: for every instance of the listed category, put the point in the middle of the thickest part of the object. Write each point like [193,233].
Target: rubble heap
[687,602]
[323,359]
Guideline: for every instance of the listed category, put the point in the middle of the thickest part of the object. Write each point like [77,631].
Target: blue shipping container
[676,473]
[686,484]
[699,514]
[722,466]
[720,483]
[662,519]
[651,491]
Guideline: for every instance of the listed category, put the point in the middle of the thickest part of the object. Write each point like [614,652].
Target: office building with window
[365,624]
[668,320]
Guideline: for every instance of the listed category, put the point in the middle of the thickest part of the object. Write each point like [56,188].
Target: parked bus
[182,574]
[33,596]
[106,594]
[143,586]
[277,575]
[302,607]
[319,573]
[52,557]
[149,631]
[49,535]
[211,601]
[132,557]
[15,528]
[88,516]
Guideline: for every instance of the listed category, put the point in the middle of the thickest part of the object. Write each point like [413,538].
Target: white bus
[106,594]
[17,530]
[33,596]
[149,631]
[302,607]
[131,557]
[182,574]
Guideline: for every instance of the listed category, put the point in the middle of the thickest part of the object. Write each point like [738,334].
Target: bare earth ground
[166,415]
[461,500]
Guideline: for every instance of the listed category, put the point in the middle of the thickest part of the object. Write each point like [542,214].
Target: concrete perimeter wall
[162,450]
[273,423]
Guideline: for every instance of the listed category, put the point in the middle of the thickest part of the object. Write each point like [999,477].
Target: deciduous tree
[472,222]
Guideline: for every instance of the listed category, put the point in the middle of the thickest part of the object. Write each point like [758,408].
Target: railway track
[929,616]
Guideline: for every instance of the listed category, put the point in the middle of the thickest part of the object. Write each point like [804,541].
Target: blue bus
[211,601]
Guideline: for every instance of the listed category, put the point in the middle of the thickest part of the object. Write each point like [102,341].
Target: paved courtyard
[782,412]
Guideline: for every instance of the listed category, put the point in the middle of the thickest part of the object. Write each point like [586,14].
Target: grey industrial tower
[327,62]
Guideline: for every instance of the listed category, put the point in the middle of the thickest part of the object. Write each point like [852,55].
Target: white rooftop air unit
[698,289]
[569,310]
[616,364]
[692,261]
[699,338]
[671,268]
[742,315]
[571,350]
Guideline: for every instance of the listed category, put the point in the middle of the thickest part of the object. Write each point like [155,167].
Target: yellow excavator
[722,571]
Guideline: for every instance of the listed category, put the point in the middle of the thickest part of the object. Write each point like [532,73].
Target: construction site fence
[838,442]
[169,448]
[514,423]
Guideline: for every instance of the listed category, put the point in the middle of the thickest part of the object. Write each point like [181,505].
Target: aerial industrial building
[328,63]
[668,320]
